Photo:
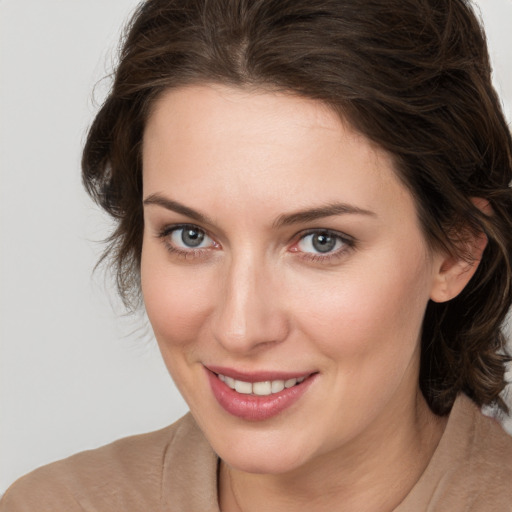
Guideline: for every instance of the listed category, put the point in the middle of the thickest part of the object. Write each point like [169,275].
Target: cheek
[374,311]
[175,298]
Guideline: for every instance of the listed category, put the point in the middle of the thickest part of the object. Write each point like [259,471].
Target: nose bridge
[249,313]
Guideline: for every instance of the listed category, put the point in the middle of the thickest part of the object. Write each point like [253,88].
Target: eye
[321,242]
[188,242]
[189,237]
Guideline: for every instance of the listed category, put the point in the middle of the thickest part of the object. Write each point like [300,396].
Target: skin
[257,295]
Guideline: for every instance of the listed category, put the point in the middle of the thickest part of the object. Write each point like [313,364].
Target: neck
[374,473]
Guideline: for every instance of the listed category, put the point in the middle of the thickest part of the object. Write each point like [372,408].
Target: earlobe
[453,273]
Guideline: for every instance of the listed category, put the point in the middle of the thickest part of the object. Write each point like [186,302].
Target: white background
[75,373]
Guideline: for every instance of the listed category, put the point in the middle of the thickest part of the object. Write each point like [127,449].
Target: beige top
[175,469]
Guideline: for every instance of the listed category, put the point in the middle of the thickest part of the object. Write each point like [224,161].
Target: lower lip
[252,407]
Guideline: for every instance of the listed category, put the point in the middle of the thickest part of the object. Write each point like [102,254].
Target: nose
[249,314]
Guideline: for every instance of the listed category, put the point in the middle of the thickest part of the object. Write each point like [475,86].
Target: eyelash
[191,253]
[348,244]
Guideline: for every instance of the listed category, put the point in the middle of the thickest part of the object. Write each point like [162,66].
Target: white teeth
[243,387]
[290,383]
[263,388]
[230,382]
[277,385]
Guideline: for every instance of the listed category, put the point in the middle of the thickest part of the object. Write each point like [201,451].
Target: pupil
[324,242]
[192,237]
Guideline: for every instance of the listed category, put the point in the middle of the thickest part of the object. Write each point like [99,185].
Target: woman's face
[280,245]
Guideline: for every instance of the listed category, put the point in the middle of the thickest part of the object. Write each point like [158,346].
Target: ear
[453,273]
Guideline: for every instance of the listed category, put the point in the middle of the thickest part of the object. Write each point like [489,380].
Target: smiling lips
[257,397]
[263,388]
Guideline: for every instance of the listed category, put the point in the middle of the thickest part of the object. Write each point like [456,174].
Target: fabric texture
[175,470]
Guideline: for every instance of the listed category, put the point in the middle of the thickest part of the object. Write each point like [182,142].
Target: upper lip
[257,376]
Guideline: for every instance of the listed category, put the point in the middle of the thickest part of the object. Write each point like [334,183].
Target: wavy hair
[411,75]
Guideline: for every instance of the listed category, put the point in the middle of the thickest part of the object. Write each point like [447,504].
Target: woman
[313,202]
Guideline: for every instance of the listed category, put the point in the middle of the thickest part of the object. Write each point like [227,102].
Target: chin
[268,451]
[265,462]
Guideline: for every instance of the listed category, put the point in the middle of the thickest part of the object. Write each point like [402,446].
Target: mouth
[261,388]
[257,396]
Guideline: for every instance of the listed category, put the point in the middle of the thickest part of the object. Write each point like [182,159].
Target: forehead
[260,147]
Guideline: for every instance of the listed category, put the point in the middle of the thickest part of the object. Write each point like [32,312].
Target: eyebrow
[174,206]
[308,215]
[319,213]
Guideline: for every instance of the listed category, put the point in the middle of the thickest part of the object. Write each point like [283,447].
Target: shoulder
[471,469]
[488,448]
[124,475]
[482,476]
[488,465]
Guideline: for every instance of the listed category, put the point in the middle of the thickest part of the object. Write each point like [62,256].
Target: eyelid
[333,232]
[348,244]
[167,231]
[169,228]
[174,233]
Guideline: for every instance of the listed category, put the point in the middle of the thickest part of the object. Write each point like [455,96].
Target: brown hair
[411,75]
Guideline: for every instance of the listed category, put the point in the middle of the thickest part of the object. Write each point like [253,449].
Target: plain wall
[74,372]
